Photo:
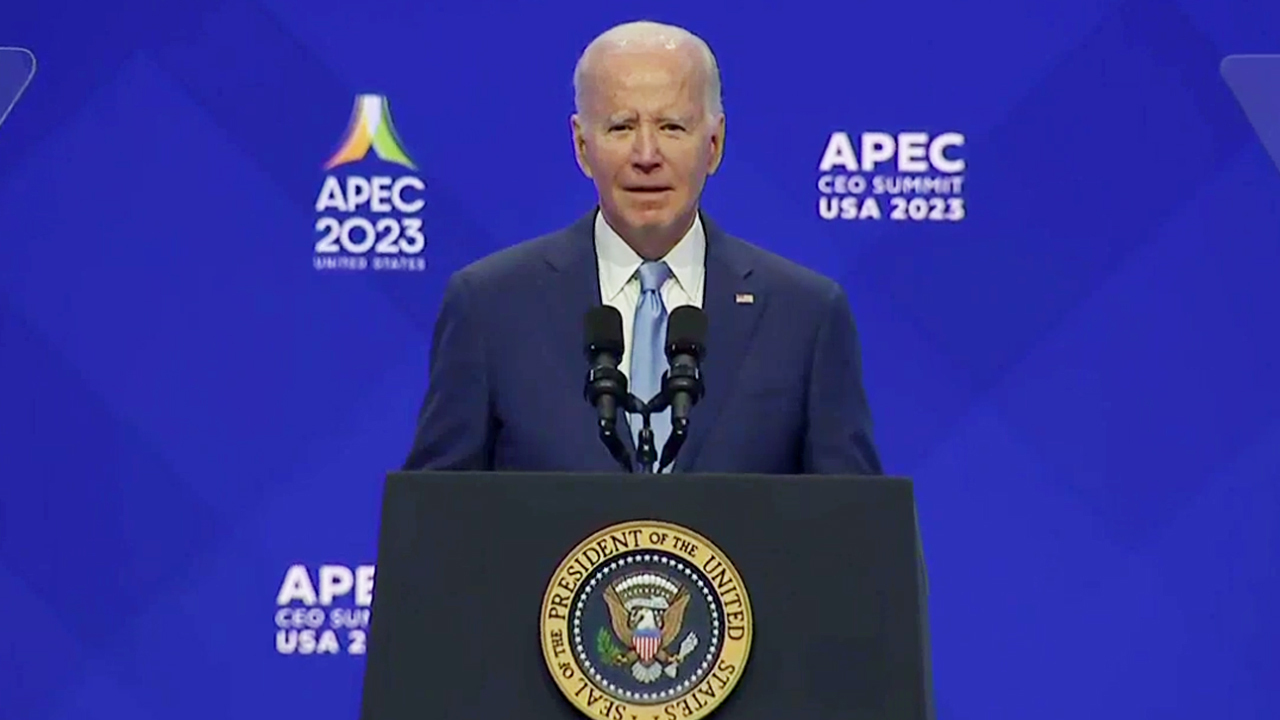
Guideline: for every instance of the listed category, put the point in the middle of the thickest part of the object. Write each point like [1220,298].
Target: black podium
[466,572]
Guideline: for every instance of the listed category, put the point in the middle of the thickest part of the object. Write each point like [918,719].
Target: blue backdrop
[1076,365]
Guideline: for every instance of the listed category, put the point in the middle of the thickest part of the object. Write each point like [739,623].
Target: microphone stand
[609,436]
[646,447]
[679,433]
[646,452]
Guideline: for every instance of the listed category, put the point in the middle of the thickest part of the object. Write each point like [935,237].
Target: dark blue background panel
[1078,372]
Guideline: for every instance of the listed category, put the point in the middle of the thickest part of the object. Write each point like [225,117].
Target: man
[783,372]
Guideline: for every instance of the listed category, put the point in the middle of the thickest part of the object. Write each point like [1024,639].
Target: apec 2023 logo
[370,221]
[325,612]
[907,176]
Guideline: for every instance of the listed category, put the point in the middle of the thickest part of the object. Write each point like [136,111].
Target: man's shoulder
[512,266]
[515,260]
[786,275]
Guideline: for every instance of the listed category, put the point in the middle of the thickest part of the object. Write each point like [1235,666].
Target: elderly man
[784,391]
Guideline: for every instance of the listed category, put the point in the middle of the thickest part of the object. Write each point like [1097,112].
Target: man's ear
[717,145]
[579,143]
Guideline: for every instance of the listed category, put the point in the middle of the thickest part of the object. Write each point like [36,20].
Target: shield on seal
[646,643]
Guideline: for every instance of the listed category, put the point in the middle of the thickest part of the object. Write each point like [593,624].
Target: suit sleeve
[838,438]
[455,428]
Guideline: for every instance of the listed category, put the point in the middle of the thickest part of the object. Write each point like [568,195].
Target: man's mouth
[650,189]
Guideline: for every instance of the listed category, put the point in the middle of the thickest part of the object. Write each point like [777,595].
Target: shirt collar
[618,262]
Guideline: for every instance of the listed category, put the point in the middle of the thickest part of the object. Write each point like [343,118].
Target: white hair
[644,33]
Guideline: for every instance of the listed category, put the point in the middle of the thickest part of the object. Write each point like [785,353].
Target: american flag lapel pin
[744,298]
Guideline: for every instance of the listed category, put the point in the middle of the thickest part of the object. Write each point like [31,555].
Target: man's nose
[645,153]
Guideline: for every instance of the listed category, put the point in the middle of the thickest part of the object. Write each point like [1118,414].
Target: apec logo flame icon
[371,128]
[370,220]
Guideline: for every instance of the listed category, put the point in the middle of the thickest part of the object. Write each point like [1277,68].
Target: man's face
[647,142]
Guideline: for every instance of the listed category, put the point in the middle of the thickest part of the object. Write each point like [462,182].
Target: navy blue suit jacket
[783,375]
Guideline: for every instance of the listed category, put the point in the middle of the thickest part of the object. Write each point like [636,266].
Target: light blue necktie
[648,359]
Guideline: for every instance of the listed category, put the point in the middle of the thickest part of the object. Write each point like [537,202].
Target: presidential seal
[646,620]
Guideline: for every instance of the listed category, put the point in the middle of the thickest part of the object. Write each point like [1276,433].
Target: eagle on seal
[646,613]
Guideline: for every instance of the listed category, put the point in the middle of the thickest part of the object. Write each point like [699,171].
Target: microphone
[682,384]
[606,386]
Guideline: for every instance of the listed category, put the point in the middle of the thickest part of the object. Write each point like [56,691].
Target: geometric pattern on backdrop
[17,68]
[1255,80]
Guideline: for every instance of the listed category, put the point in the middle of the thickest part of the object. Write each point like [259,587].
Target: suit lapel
[733,303]
[571,288]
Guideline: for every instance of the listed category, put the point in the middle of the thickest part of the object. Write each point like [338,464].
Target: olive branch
[606,647]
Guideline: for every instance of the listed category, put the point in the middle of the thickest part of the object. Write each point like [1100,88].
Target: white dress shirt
[620,281]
